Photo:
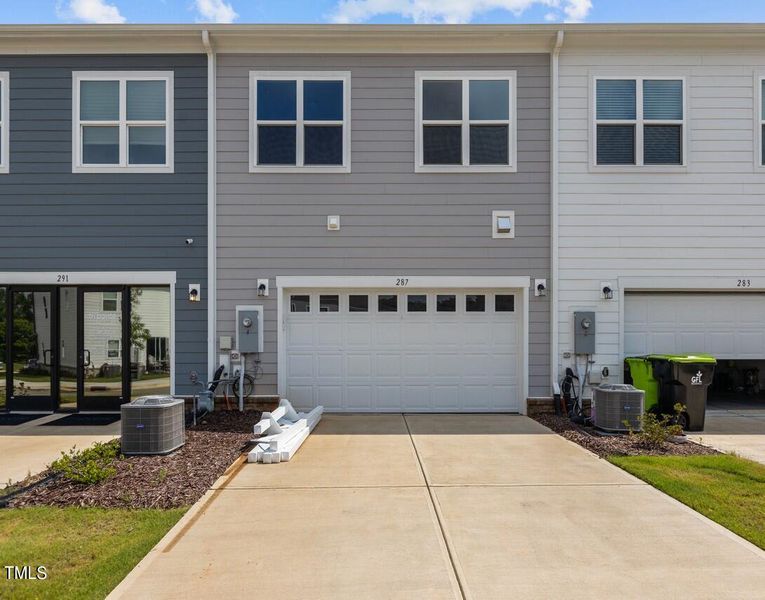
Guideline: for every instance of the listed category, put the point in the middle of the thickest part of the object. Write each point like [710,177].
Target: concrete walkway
[27,449]
[443,506]
[739,431]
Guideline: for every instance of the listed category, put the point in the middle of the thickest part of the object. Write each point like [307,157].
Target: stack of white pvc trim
[283,431]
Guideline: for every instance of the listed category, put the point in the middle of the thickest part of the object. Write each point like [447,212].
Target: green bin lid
[706,359]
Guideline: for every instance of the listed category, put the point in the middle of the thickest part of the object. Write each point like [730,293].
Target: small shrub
[657,430]
[88,466]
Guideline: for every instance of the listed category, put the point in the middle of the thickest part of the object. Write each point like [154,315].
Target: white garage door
[728,326]
[429,350]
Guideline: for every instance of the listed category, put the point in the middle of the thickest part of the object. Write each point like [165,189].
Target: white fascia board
[395,282]
[87,278]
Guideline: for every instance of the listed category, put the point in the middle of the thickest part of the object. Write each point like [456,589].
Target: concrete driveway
[28,448]
[740,430]
[443,506]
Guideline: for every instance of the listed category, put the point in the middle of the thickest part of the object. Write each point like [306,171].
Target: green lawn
[86,551]
[727,489]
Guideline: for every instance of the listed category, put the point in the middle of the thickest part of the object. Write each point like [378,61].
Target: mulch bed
[619,445]
[175,480]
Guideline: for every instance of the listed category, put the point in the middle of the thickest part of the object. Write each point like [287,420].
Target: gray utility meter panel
[584,332]
[249,329]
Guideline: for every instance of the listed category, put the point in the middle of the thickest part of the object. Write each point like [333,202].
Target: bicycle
[248,379]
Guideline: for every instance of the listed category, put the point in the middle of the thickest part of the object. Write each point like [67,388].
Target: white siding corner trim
[5,113]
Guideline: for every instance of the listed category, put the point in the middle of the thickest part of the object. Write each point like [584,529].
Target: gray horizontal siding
[394,221]
[54,220]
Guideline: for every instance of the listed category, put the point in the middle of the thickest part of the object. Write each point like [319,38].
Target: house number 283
[744,283]
[402,282]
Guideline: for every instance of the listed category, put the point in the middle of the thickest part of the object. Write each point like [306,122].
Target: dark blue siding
[54,220]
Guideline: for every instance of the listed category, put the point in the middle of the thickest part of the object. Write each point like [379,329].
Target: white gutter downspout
[554,203]
[212,284]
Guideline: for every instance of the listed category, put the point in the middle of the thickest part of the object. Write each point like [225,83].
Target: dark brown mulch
[620,445]
[177,479]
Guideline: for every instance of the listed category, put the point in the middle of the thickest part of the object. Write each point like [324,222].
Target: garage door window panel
[475,303]
[446,303]
[387,303]
[504,303]
[329,303]
[300,303]
[417,303]
[358,303]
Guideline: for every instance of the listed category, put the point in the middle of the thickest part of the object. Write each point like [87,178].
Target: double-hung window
[639,121]
[300,122]
[122,121]
[4,117]
[465,121]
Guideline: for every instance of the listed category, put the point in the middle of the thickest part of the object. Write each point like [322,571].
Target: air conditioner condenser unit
[617,407]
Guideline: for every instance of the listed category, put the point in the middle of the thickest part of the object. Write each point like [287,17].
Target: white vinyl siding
[4,121]
[692,228]
[115,127]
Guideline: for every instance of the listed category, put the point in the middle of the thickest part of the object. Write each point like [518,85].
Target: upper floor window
[4,117]
[301,122]
[122,121]
[639,121]
[465,121]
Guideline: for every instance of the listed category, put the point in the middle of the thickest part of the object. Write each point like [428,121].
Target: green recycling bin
[684,379]
[668,379]
[638,371]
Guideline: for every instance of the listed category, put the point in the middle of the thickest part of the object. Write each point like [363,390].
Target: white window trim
[5,115]
[299,77]
[119,348]
[123,77]
[465,122]
[116,300]
[639,123]
[759,121]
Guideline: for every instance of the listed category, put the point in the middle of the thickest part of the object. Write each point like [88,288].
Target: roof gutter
[212,230]
[554,203]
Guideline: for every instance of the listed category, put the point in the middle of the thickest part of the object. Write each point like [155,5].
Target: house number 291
[402,282]
[743,283]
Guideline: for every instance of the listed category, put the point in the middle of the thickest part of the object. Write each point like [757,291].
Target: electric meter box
[584,332]
[249,329]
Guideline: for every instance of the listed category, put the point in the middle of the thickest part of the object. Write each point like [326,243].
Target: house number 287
[402,282]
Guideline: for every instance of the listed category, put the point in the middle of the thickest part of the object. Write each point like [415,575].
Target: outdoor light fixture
[262,288]
[333,223]
[540,287]
[195,294]
[607,292]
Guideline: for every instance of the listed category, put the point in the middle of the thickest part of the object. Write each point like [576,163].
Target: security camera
[189,241]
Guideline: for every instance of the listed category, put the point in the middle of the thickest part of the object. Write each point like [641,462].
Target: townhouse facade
[103,196]
[378,218]
[661,198]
